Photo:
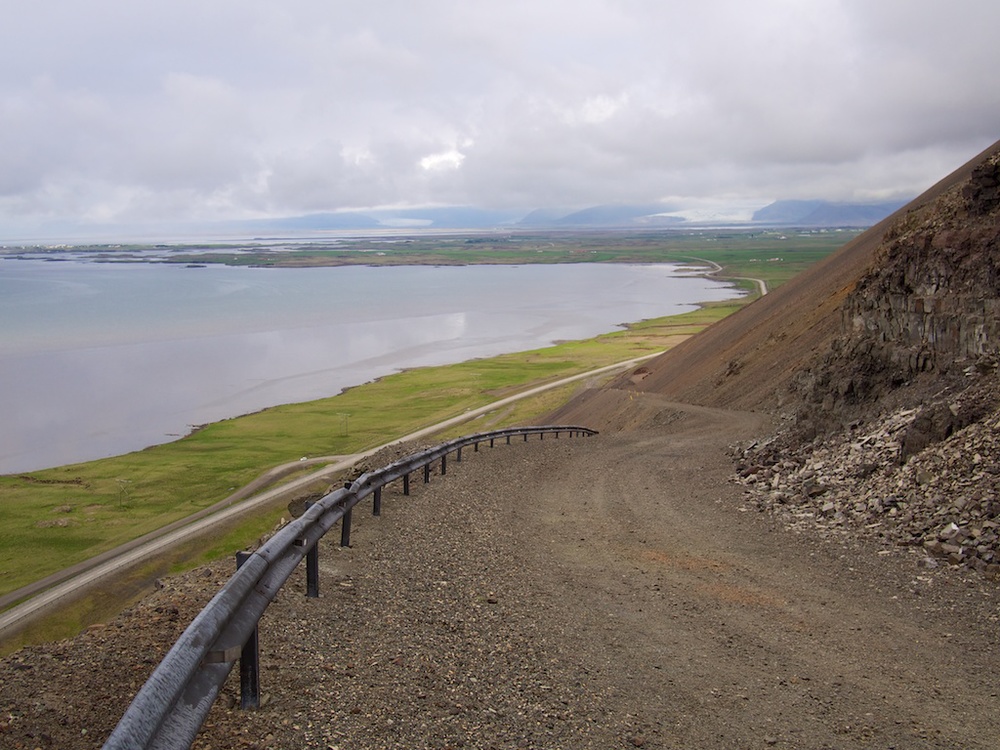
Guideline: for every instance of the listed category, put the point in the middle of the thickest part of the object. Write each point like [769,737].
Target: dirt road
[602,592]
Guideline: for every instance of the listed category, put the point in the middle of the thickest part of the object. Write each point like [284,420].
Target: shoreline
[50,477]
[120,402]
[171,480]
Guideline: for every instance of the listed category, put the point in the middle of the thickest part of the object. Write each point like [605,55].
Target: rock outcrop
[928,304]
[892,429]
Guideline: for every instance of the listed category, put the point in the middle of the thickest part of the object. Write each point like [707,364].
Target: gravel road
[606,592]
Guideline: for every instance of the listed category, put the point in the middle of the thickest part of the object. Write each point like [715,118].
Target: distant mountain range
[782,213]
[601,216]
[813,213]
[819,213]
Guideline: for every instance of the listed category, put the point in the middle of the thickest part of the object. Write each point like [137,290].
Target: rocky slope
[923,317]
[894,425]
[752,359]
[882,363]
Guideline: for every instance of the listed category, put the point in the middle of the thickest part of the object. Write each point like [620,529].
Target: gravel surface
[611,592]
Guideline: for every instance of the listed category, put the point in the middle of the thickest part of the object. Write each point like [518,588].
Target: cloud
[443,161]
[189,110]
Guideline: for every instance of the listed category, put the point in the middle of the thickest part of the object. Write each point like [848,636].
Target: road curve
[716,268]
[48,593]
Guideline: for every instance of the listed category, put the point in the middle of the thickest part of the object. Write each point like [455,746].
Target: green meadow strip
[55,518]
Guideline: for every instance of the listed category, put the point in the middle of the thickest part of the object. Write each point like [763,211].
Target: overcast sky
[134,111]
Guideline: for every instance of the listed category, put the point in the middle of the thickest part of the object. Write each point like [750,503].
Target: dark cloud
[114,112]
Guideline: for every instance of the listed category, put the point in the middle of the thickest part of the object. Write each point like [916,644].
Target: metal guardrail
[169,709]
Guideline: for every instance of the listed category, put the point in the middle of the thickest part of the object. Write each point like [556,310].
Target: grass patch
[68,514]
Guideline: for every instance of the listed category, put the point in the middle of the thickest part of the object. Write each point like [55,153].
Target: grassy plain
[57,517]
[776,255]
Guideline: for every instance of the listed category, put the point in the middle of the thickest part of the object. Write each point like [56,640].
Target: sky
[118,112]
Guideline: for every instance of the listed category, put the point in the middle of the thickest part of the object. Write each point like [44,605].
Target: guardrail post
[427,473]
[377,502]
[526,437]
[508,440]
[406,484]
[444,465]
[458,455]
[345,529]
[491,442]
[312,571]
[476,448]
[312,568]
[249,661]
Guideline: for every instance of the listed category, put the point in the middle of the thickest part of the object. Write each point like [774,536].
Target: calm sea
[99,359]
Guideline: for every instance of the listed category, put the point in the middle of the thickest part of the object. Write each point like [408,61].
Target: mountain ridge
[825,213]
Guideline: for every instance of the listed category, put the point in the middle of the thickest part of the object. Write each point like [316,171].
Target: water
[98,359]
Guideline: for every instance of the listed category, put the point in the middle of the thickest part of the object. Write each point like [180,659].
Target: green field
[57,517]
[772,254]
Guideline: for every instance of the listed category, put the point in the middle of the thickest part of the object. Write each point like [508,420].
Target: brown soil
[614,591]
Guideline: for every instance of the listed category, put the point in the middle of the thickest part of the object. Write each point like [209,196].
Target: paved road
[50,592]
[761,284]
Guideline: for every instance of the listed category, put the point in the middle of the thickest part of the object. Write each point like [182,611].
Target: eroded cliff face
[934,293]
[925,316]
[895,429]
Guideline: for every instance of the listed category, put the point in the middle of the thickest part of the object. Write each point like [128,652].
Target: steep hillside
[755,359]
[895,424]
[881,363]
[750,359]
[923,318]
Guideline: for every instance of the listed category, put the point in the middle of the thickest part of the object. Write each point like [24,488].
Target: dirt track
[602,592]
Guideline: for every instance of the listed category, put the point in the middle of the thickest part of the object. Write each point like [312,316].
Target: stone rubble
[943,500]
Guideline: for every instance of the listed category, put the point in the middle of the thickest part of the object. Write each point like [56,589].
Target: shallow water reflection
[97,361]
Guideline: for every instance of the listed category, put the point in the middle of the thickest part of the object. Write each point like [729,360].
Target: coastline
[86,498]
[171,480]
[129,395]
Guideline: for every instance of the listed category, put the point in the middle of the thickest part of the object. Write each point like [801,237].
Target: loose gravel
[611,592]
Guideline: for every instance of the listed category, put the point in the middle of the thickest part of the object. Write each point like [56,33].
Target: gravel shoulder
[615,591]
